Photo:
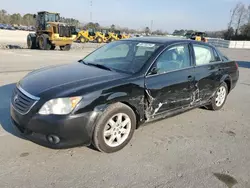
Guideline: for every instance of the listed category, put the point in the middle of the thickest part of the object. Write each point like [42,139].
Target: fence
[229,44]
[221,43]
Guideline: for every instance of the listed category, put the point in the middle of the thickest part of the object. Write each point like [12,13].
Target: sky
[167,15]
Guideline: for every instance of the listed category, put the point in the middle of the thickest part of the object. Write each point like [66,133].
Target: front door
[170,82]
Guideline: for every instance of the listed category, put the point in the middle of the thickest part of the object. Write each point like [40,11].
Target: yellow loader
[84,36]
[50,32]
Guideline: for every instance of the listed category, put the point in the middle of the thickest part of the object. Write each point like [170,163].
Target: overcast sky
[166,14]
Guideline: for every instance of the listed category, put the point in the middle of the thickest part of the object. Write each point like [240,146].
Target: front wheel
[44,43]
[99,40]
[219,98]
[115,128]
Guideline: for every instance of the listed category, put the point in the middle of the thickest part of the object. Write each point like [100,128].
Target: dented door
[171,83]
[170,91]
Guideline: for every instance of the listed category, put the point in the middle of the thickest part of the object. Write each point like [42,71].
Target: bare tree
[240,16]
[233,14]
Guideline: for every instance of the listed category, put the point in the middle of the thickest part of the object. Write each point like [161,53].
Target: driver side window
[174,58]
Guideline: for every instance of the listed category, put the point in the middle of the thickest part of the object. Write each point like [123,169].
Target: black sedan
[104,97]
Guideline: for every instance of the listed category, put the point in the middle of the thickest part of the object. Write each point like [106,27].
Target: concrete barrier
[229,44]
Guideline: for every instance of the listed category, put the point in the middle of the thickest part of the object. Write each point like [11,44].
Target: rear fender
[228,80]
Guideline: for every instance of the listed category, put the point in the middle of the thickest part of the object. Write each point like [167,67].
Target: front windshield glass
[52,17]
[124,56]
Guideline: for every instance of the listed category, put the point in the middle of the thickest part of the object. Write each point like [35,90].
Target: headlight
[60,106]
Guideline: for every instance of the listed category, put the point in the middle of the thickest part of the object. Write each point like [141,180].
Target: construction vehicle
[116,35]
[84,36]
[198,36]
[50,32]
[92,35]
[103,36]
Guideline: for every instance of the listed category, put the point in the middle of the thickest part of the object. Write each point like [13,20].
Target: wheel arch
[228,80]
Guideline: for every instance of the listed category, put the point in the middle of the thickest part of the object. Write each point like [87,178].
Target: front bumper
[73,130]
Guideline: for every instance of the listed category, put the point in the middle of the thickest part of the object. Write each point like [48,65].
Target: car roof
[165,40]
[162,40]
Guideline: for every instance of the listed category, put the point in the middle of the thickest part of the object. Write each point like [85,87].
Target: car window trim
[163,50]
[215,51]
[211,63]
[148,76]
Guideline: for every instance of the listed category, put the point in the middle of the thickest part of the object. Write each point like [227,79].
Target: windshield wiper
[99,66]
[96,65]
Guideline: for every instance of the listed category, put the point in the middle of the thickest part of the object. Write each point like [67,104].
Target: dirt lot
[199,148]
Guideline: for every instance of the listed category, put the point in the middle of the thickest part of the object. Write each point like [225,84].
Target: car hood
[68,76]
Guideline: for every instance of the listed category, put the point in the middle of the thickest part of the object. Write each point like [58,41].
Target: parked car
[10,27]
[3,26]
[105,96]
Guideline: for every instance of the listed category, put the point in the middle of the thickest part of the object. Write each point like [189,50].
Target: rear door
[170,82]
[208,71]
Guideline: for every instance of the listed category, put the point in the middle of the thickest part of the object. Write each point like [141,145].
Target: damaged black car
[103,98]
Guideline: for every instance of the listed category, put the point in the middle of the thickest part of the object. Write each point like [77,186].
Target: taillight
[236,64]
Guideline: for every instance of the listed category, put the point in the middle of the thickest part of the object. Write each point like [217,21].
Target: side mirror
[153,71]
[34,15]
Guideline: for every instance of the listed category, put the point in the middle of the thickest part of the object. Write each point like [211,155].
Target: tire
[82,39]
[53,47]
[99,40]
[215,104]
[65,48]
[31,41]
[104,143]
[44,43]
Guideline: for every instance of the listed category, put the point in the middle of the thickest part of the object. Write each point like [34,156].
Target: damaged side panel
[170,91]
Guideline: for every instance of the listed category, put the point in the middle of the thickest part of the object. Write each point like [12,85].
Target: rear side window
[203,55]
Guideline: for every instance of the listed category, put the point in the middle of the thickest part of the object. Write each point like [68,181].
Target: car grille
[21,102]
[65,31]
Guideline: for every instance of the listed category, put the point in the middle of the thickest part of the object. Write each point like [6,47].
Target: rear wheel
[65,48]
[83,39]
[44,43]
[31,41]
[115,128]
[219,98]
[99,40]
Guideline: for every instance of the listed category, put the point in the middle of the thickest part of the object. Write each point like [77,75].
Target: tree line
[238,26]
[29,20]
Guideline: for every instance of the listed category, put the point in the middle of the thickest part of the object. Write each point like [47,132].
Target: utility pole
[151,27]
[249,14]
[91,4]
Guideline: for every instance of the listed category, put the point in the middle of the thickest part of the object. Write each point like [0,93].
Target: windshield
[52,17]
[124,56]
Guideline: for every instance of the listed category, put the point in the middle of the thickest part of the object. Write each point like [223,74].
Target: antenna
[151,27]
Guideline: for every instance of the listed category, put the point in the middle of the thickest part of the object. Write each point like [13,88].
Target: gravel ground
[199,148]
